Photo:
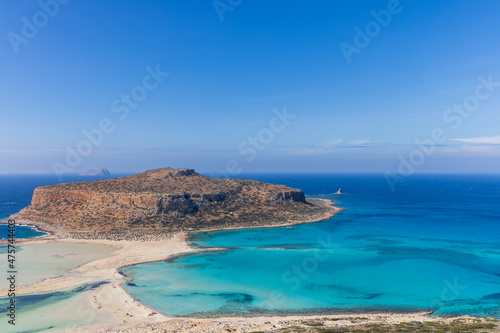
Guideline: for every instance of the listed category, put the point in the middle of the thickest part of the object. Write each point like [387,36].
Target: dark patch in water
[233,298]
[491,252]
[180,257]
[355,293]
[238,298]
[88,286]
[250,311]
[336,287]
[464,242]
[443,255]
[492,296]
[385,241]
[131,284]
[290,246]
[31,301]
[197,266]
[372,296]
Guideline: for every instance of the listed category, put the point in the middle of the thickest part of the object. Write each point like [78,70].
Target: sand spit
[127,253]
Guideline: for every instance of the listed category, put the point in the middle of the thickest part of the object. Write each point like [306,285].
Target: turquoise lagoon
[432,244]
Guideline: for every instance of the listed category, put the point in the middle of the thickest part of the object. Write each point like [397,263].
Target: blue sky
[229,78]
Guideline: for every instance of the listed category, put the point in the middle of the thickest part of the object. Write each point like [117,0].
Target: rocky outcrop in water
[169,199]
[96,172]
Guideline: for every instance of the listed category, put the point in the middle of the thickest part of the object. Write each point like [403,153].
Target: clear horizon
[395,87]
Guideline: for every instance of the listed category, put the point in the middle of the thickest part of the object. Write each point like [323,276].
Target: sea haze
[433,244]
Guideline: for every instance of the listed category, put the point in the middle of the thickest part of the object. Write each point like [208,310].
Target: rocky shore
[324,210]
[157,203]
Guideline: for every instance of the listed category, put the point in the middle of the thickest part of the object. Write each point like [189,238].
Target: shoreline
[130,315]
[324,217]
[298,323]
[29,225]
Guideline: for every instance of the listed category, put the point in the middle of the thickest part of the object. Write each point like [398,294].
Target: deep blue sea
[434,244]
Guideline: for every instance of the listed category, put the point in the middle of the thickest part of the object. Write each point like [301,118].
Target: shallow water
[60,311]
[36,262]
[433,244]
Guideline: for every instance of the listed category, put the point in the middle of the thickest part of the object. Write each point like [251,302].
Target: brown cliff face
[166,199]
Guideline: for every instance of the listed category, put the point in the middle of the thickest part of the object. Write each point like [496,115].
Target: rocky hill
[164,200]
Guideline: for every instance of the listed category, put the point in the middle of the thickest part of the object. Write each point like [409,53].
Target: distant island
[96,172]
[166,200]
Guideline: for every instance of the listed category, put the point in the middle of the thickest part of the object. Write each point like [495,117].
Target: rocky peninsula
[162,201]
